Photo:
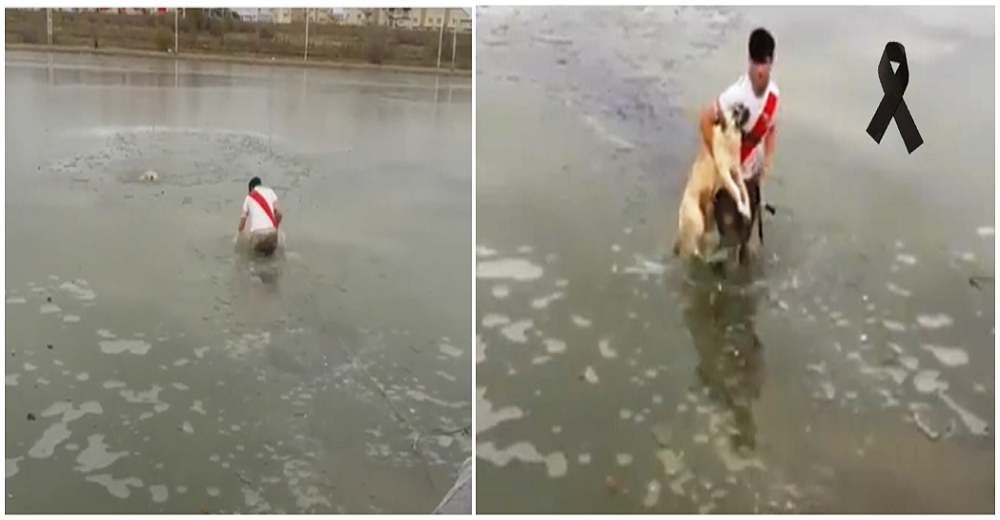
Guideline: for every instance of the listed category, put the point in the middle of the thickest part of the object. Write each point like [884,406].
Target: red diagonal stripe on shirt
[759,128]
[255,195]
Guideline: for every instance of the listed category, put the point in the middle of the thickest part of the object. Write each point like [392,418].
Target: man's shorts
[265,243]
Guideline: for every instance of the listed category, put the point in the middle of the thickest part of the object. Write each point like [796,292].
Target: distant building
[281,15]
[251,14]
[410,18]
[364,16]
[299,14]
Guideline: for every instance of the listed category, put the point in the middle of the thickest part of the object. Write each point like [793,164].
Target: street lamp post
[441,37]
[454,44]
[305,56]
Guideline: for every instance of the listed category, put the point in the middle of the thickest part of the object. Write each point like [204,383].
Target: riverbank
[220,58]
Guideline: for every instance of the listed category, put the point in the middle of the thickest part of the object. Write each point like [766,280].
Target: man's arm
[278,214]
[244,215]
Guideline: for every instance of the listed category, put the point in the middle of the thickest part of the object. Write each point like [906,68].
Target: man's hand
[243,222]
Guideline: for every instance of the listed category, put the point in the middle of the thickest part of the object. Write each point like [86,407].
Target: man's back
[257,217]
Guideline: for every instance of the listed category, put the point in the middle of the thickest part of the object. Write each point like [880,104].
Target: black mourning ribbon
[892,105]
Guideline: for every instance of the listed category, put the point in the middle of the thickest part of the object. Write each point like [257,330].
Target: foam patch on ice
[132,346]
[545,301]
[79,289]
[484,252]
[450,350]
[480,350]
[604,346]
[948,356]
[12,468]
[517,269]
[926,382]
[159,493]
[517,331]
[96,456]
[894,326]
[117,488]
[554,346]
[487,417]
[555,463]
[897,290]
[934,321]
[51,438]
[494,320]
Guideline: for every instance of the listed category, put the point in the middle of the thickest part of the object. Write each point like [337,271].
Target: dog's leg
[745,194]
[690,229]
[745,204]
[738,191]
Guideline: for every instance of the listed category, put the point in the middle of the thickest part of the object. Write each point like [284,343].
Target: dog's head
[729,137]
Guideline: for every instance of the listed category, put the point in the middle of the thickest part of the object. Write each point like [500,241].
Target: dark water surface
[852,370]
[151,369]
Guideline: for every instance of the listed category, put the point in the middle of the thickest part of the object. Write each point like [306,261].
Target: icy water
[851,370]
[151,369]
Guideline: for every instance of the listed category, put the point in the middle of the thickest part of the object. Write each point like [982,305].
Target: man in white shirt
[758,93]
[262,213]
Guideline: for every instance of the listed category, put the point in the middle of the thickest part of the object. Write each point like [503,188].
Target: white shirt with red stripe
[257,219]
[763,112]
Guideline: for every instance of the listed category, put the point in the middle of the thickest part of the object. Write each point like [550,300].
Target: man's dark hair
[761,46]
[254,182]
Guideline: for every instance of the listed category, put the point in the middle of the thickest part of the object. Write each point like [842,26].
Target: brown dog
[710,173]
